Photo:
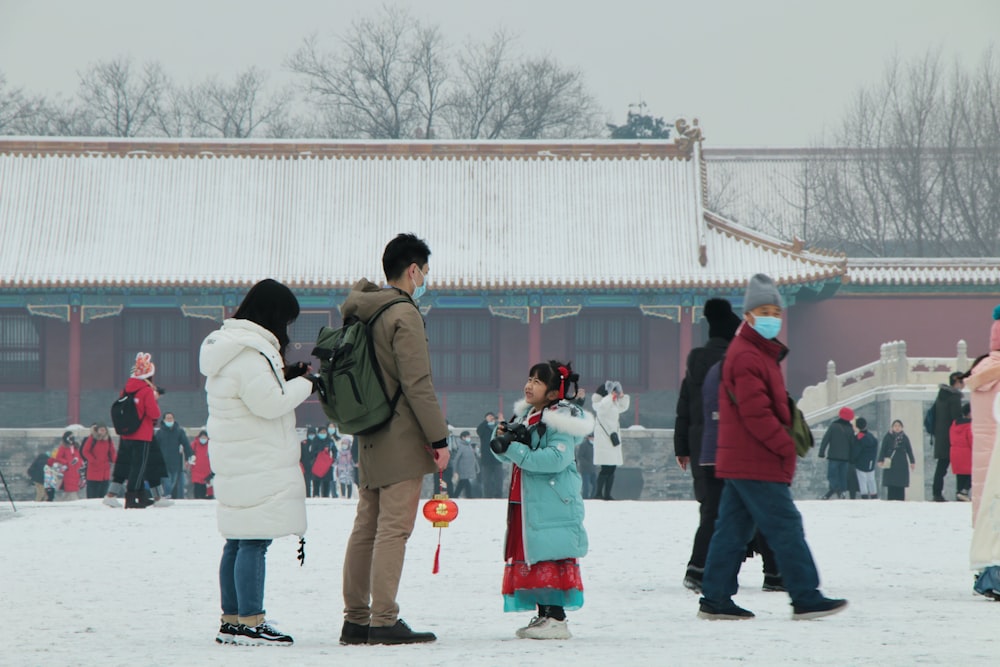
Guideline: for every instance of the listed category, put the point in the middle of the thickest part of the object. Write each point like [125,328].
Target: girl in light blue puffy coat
[545,534]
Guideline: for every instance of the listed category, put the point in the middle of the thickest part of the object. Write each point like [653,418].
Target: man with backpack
[395,457]
[947,408]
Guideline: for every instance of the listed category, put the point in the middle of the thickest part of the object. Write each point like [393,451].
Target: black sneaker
[773,584]
[353,633]
[227,634]
[692,584]
[261,635]
[939,499]
[729,613]
[825,607]
[398,634]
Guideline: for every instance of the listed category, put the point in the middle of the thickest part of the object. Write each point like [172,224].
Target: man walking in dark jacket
[176,450]
[836,447]
[688,428]
[947,408]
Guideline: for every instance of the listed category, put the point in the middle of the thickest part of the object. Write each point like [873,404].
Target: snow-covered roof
[497,215]
[923,271]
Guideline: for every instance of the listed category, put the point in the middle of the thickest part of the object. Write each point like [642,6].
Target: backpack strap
[371,349]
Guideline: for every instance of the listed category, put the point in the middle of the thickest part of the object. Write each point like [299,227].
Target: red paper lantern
[440,510]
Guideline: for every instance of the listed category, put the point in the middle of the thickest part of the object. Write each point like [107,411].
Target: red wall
[850,329]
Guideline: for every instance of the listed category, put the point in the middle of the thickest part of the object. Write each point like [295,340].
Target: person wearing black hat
[688,433]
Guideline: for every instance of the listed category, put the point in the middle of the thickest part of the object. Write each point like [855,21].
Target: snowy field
[81,584]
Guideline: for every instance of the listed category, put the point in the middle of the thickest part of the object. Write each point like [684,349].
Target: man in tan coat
[393,460]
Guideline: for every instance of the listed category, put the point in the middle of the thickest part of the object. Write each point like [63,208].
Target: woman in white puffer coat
[254,451]
[609,401]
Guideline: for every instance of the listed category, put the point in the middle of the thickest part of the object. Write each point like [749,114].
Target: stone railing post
[962,357]
[832,383]
[902,363]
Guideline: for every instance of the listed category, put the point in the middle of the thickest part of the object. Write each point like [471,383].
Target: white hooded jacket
[251,420]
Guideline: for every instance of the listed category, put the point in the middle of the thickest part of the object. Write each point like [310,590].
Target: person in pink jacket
[983,380]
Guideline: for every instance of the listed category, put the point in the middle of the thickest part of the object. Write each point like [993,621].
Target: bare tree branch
[123,102]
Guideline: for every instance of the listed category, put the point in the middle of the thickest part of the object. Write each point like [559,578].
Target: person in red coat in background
[99,453]
[201,467]
[67,457]
[960,437]
[755,455]
[133,454]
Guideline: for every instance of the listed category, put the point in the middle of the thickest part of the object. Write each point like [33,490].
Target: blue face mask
[420,289]
[168,424]
[322,435]
[203,440]
[768,327]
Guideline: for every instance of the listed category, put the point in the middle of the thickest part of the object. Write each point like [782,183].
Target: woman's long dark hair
[272,306]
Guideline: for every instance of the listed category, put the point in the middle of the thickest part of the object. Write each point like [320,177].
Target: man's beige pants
[373,563]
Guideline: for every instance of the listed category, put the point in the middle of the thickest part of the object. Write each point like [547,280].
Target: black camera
[512,433]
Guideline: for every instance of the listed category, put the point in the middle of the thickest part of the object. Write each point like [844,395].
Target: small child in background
[864,453]
[201,466]
[345,467]
[960,438]
[545,534]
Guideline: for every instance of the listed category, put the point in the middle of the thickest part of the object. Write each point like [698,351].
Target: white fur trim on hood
[564,417]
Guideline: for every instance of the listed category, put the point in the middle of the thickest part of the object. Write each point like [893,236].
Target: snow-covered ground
[81,584]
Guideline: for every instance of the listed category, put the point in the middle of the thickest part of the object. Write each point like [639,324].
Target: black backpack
[124,414]
[930,419]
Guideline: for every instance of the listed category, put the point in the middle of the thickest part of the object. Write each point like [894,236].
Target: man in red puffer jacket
[756,457]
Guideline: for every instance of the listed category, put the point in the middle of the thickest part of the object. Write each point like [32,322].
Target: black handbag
[615,438]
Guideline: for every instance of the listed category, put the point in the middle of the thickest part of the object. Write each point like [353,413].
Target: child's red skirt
[551,582]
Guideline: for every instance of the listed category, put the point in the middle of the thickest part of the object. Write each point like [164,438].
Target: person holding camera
[67,457]
[254,449]
[545,534]
[609,401]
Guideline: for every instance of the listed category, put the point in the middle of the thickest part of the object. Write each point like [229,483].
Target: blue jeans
[241,576]
[589,484]
[745,506]
[836,475]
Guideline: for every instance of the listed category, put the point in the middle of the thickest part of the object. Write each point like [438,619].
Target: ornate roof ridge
[319,149]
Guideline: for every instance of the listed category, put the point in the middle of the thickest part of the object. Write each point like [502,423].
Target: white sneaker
[545,628]
[163,502]
[111,501]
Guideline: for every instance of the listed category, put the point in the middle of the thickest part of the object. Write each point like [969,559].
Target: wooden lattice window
[20,349]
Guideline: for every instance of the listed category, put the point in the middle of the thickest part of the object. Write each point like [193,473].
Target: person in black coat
[947,408]
[490,467]
[688,428]
[836,447]
[864,454]
[896,460]
[36,473]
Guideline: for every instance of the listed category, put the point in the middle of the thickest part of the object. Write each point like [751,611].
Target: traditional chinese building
[599,252]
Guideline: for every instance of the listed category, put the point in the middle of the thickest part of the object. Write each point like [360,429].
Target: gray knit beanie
[761,291]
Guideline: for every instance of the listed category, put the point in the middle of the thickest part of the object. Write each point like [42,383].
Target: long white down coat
[606,411]
[251,422]
[985,549]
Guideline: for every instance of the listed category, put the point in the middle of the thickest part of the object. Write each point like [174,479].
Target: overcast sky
[755,72]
